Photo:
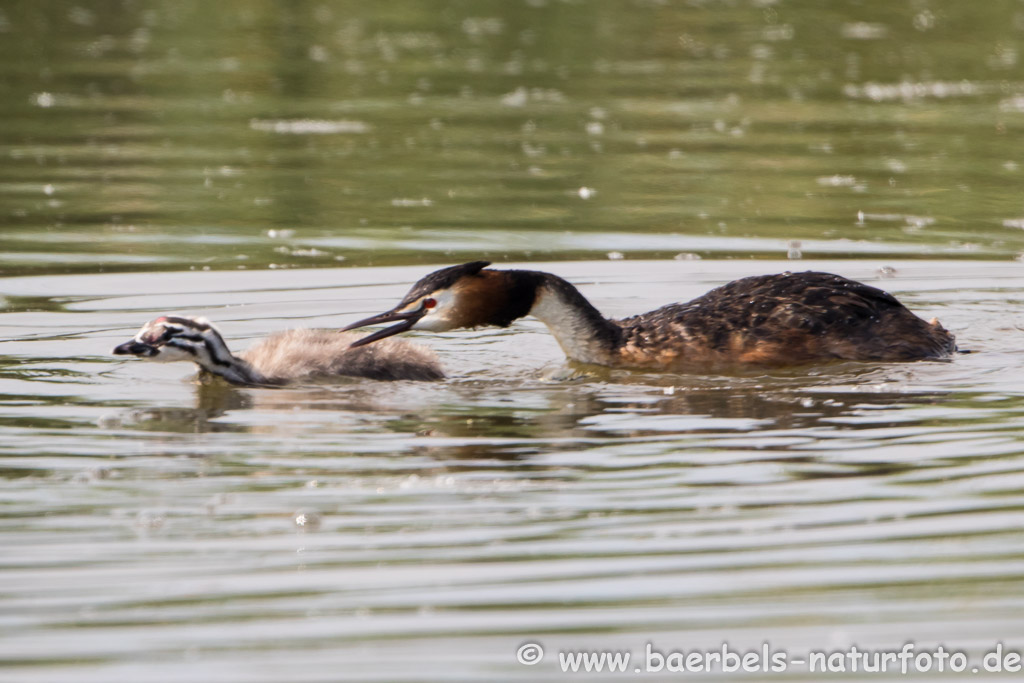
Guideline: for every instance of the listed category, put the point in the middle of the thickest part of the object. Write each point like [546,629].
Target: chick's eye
[429,303]
[168,333]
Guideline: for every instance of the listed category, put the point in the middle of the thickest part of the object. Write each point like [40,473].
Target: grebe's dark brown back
[768,320]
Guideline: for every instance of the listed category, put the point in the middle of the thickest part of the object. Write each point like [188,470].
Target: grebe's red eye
[429,303]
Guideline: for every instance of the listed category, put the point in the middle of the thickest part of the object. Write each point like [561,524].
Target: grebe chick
[769,320]
[281,358]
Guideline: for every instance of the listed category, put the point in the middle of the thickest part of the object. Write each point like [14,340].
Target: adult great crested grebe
[765,320]
[281,358]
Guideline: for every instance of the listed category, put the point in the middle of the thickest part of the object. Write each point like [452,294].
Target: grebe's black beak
[407,318]
[134,348]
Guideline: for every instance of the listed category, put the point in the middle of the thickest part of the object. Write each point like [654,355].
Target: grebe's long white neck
[579,328]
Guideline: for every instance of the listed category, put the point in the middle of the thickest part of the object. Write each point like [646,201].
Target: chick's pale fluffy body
[284,357]
[310,354]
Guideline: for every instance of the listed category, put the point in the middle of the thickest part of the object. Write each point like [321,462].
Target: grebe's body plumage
[766,320]
[284,357]
[785,319]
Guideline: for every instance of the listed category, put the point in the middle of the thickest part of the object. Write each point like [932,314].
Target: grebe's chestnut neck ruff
[771,320]
[280,358]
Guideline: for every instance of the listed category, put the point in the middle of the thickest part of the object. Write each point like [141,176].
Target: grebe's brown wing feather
[788,318]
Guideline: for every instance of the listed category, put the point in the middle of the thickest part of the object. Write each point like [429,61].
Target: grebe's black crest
[442,279]
[783,319]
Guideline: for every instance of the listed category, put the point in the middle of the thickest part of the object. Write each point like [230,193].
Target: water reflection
[464,421]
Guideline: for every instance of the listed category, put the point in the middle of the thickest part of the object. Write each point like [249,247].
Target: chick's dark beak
[134,347]
[407,318]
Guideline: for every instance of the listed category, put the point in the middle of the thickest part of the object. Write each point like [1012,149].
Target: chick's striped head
[171,338]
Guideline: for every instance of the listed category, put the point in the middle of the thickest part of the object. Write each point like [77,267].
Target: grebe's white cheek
[438,318]
[433,322]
